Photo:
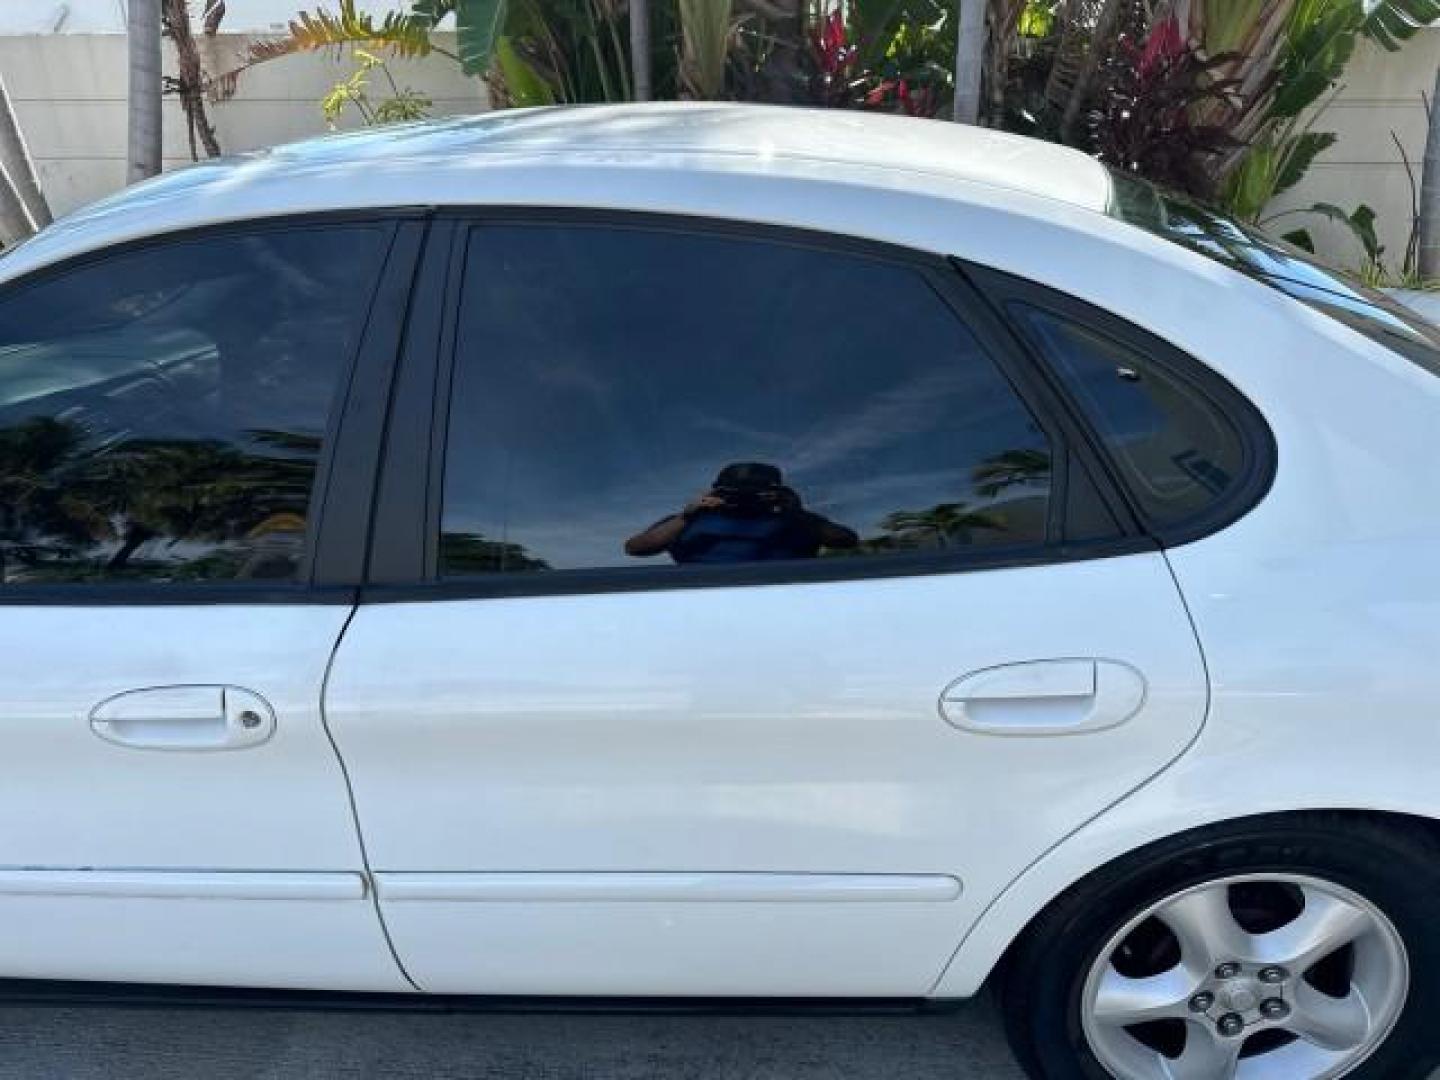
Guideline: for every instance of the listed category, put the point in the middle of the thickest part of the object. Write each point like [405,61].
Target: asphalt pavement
[120,1042]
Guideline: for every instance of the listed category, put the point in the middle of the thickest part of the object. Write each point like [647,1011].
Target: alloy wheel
[1257,977]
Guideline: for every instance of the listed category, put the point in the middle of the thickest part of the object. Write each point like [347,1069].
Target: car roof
[460,160]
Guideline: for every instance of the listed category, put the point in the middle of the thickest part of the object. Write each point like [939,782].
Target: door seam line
[369,875]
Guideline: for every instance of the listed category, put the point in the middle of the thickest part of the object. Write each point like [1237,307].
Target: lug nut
[1230,1025]
[1274,1009]
[1227,971]
[1202,1001]
[1273,975]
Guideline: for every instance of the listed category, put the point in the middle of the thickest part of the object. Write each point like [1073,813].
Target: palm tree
[945,523]
[640,49]
[1429,261]
[969,61]
[15,223]
[1008,469]
[190,81]
[17,166]
[143,27]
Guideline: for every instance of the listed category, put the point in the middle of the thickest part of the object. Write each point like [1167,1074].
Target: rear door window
[634,397]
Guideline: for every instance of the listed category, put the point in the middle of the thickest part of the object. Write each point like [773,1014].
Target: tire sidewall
[1058,959]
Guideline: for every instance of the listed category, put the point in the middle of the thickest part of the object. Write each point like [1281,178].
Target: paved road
[109,1042]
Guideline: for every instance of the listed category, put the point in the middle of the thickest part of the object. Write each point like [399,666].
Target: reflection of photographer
[748,515]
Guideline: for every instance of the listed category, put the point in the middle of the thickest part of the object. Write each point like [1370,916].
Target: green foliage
[1360,224]
[1229,23]
[354,92]
[1392,22]
[706,27]
[401,33]
[1306,147]
[1037,20]
[478,27]
[525,86]
[573,46]
[1319,41]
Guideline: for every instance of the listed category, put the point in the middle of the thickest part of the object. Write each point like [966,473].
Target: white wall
[69,92]
[1383,93]
[108,16]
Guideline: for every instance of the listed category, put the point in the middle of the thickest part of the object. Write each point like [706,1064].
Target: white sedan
[726,552]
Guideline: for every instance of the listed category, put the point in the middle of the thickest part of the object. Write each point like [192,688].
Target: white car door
[896,646]
[169,426]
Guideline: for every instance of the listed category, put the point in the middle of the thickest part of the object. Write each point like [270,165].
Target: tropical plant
[189,82]
[1359,224]
[910,71]
[834,58]
[1010,468]
[706,29]
[17,171]
[1285,84]
[530,52]
[472,553]
[353,91]
[942,525]
[1150,116]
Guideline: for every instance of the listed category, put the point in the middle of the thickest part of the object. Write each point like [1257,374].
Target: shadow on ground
[40,1042]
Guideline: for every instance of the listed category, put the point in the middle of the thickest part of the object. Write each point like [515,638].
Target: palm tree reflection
[76,508]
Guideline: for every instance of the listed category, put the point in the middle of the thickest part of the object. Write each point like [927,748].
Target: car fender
[1197,791]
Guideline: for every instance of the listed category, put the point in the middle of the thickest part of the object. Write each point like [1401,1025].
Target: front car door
[169,416]
[844,699]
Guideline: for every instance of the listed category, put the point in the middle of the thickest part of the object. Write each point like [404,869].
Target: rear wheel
[1284,947]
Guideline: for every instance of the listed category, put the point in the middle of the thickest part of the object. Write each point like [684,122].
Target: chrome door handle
[184,718]
[1044,697]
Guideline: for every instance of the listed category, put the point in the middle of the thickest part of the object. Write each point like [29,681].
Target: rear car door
[170,433]
[899,641]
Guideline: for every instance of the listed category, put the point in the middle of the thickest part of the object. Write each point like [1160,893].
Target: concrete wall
[1383,93]
[69,93]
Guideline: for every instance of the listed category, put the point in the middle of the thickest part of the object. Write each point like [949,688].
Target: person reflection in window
[747,515]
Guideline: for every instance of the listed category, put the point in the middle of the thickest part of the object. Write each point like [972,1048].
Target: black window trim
[1257,440]
[404,566]
[337,522]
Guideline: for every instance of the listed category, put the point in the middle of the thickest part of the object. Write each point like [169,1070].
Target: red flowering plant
[911,73]
[833,58]
[1149,116]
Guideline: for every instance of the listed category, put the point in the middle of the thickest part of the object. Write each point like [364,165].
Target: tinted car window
[1180,454]
[627,397]
[162,410]
[1279,265]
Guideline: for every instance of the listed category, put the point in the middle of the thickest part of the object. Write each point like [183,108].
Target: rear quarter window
[1189,451]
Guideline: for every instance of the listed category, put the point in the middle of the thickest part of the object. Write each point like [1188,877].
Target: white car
[720,551]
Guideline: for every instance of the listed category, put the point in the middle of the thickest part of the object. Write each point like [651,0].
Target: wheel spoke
[1326,924]
[1205,927]
[1327,1022]
[1121,1000]
[1225,975]
[1206,1056]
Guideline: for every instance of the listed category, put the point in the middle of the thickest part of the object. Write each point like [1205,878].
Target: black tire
[1391,862]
